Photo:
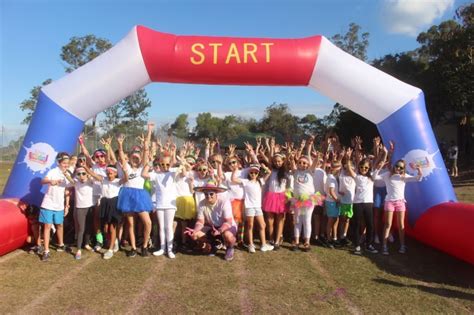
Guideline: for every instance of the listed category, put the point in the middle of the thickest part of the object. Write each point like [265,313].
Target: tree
[206,126]
[81,50]
[180,127]
[352,43]
[278,120]
[29,105]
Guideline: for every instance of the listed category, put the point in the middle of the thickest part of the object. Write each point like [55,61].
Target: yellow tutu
[185,208]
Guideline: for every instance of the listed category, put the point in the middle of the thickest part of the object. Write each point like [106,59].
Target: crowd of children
[211,198]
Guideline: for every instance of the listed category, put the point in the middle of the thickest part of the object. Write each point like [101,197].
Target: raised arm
[235,179]
[84,150]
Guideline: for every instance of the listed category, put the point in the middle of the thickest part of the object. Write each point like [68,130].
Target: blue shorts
[379,196]
[332,209]
[51,217]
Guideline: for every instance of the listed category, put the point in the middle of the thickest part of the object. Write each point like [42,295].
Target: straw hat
[210,186]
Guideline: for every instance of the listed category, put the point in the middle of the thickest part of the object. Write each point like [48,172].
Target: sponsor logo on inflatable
[420,158]
[39,157]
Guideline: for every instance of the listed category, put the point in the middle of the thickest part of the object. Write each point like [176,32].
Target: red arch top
[227,60]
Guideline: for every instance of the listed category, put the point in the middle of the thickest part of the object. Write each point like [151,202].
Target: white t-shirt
[331,182]
[217,214]
[364,192]
[303,183]
[346,187]
[273,185]
[54,196]
[99,170]
[110,189]
[395,184]
[182,186]
[135,179]
[236,191]
[319,177]
[83,193]
[252,193]
[165,189]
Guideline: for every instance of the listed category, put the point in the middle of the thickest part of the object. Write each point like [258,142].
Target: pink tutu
[274,202]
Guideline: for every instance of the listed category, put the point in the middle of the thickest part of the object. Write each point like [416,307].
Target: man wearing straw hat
[214,221]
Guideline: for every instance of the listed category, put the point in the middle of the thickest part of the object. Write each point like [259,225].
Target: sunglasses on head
[81,174]
[209,194]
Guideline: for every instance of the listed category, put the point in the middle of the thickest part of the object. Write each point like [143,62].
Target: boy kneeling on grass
[54,208]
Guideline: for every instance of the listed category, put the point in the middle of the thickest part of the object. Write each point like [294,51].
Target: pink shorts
[395,205]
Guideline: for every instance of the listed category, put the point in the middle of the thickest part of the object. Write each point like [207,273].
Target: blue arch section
[410,129]
[50,125]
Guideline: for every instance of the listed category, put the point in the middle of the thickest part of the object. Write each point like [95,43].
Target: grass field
[322,281]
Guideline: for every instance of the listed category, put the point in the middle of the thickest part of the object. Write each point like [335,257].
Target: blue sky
[33,32]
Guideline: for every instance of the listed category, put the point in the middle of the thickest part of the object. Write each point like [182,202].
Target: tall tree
[180,127]
[81,50]
[352,42]
[278,120]
[29,105]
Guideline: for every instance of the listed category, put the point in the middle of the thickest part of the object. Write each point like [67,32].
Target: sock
[99,238]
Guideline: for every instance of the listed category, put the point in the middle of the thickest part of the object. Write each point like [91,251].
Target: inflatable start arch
[145,56]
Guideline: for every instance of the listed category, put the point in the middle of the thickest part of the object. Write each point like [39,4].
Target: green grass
[323,281]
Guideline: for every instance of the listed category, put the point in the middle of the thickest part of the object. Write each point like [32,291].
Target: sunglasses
[202,169]
[232,162]
[99,155]
[363,167]
[253,173]
[209,194]
[81,174]
[165,164]
[398,167]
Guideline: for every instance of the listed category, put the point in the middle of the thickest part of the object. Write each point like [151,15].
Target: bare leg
[46,236]
[388,225]
[401,226]
[250,229]
[270,221]
[131,230]
[60,234]
[261,224]
[145,218]
[280,221]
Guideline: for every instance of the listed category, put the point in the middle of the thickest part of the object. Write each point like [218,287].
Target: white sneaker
[390,238]
[251,248]
[158,252]
[116,246]
[171,254]
[108,254]
[376,239]
[266,248]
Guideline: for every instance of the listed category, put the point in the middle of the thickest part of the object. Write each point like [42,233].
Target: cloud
[410,16]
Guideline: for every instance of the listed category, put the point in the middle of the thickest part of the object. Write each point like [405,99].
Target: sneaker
[337,244]
[357,251]
[390,238]
[331,244]
[97,247]
[78,255]
[294,247]
[132,253]
[266,248]
[116,246]
[371,249]
[318,242]
[403,249]
[344,241]
[33,250]
[40,250]
[276,247]
[45,256]
[219,244]
[306,247]
[229,254]
[171,255]
[145,252]
[385,251]
[376,239]
[88,247]
[158,252]
[251,248]
[108,254]
[61,248]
